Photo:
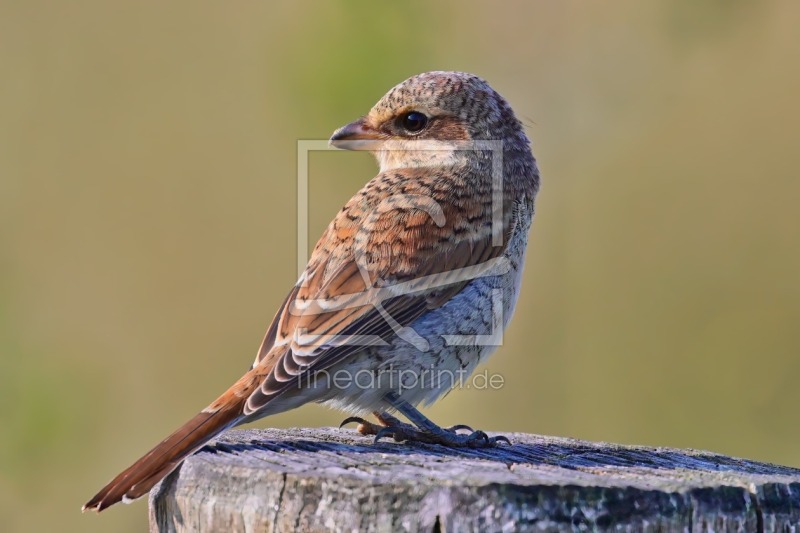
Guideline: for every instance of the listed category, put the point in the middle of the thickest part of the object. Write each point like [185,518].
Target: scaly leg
[425,431]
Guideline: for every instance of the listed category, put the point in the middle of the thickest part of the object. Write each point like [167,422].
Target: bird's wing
[399,251]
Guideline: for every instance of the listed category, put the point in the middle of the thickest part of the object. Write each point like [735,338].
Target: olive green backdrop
[147,217]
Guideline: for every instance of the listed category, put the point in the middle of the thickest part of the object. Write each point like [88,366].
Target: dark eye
[413,122]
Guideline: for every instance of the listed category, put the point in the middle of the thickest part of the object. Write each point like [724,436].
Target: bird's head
[432,118]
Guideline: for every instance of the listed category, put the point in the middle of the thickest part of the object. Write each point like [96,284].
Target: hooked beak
[356,136]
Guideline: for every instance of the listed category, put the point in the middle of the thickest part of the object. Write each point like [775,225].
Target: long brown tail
[136,480]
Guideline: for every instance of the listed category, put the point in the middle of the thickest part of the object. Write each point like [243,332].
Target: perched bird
[407,288]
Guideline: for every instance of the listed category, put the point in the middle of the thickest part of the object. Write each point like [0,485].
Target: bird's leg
[432,433]
[425,430]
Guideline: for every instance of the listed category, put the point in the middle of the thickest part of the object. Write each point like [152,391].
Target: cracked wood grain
[336,480]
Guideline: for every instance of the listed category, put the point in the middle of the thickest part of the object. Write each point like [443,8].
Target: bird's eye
[413,122]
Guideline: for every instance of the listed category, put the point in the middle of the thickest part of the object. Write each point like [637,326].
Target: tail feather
[139,478]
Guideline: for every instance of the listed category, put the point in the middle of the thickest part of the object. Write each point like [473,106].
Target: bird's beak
[357,135]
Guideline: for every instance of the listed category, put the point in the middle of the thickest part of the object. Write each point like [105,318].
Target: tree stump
[337,480]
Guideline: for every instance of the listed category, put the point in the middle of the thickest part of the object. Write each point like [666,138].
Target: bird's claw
[479,439]
[350,420]
[365,427]
[389,431]
[501,438]
[458,427]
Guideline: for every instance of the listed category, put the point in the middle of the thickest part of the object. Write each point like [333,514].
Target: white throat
[418,154]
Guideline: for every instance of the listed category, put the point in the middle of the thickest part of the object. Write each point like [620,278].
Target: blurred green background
[147,217]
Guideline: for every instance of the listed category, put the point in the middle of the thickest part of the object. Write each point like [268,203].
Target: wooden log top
[328,479]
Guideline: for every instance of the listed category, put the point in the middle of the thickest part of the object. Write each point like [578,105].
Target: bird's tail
[136,480]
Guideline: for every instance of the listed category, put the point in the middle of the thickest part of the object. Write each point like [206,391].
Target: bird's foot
[402,432]
[442,436]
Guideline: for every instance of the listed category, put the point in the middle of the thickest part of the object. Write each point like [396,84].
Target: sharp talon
[478,439]
[383,433]
[350,420]
[458,427]
[502,438]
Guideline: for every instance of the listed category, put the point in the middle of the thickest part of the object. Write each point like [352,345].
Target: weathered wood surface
[336,480]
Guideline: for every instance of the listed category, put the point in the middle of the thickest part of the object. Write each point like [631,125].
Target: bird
[407,289]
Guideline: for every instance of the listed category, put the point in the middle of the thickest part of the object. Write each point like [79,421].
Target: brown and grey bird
[409,286]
